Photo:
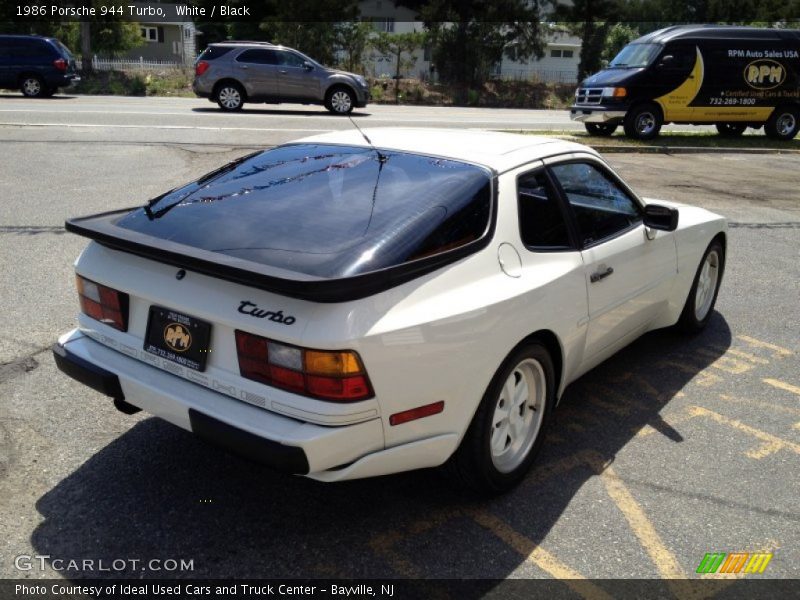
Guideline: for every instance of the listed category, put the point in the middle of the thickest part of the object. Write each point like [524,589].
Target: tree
[397,45]
[469,37]
[619,36]
[353,38]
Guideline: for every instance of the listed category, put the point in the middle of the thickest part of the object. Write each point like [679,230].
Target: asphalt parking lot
[675,448]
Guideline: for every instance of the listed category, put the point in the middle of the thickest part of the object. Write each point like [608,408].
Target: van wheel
[783,123]
[643,122]
[731,130]
[600,129]
[508,428]
[32,86]
[230,97]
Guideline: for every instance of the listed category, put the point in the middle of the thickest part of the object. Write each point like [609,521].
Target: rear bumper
[596,114]
[280,442]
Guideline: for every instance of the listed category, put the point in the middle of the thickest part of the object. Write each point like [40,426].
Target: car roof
[728,32]
[493,149]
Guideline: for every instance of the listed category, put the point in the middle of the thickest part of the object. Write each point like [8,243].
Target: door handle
[243,67]
[282,72]
[598,275]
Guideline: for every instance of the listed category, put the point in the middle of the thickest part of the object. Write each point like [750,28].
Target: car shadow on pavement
[158,492]
[248,110]
[57,96]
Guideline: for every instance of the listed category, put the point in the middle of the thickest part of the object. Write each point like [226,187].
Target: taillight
[336,376]
[201,67]
[60,64]
[103,303]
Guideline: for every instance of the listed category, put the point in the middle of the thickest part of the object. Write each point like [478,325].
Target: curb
[689,150]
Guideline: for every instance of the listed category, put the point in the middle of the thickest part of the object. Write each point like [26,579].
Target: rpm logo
[764,74]
[177,337]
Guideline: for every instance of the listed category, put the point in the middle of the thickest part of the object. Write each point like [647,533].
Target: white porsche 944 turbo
[356,304]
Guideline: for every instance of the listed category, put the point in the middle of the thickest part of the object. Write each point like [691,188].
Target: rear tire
[643,122]
[730,130]
[32,86]
[703,295]
[509,426]
[600,129]
[230,97]
[783,123]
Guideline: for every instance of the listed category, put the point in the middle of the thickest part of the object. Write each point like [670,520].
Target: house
[559,63]
[171,39]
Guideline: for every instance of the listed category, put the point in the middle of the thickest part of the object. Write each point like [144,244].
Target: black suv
[37,66]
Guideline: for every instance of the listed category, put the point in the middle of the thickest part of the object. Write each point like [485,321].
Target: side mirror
[308,66]
[661,217]
[666,60]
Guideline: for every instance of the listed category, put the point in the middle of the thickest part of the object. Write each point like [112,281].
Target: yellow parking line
[761,403]
[538,556]
[782,385]
[725,363]
[748,356]
[778,350]
[772,443]
[665,561]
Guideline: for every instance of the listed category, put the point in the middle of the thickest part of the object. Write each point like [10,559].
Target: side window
[683,57]
[289,59]
[258,56]
[541,220]
[602,209]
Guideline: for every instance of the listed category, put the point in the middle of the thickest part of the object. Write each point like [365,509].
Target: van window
[325,210]
[635,55]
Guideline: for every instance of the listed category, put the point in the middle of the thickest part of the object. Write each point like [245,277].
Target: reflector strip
[417,413]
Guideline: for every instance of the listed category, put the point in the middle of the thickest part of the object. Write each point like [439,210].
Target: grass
[700,139]
[123,83]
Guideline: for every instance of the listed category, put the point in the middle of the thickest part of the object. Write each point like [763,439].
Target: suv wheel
[731,130]
[230,97]
[600,129]
[340,101]
[32,86]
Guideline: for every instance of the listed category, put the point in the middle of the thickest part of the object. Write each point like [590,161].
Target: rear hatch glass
[325,211]
[214,52]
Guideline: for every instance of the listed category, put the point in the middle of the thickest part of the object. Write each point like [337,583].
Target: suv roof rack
[261,42]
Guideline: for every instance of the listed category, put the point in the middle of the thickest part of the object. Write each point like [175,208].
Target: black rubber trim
[289,459]
[87,373]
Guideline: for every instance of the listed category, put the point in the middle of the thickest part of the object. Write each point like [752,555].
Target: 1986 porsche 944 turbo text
[352,305]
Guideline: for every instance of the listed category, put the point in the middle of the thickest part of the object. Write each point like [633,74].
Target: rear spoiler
[102,229]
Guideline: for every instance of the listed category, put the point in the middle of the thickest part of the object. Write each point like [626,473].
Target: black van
[36,66]
[734,77]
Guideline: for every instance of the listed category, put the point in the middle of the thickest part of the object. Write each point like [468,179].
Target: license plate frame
[178,337]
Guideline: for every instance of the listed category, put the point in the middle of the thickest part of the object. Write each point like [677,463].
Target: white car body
[439,337]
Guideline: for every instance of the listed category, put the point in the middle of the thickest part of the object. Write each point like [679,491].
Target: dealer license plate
[178,337]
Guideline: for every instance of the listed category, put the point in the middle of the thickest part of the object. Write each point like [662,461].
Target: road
[674,448]
[185,120]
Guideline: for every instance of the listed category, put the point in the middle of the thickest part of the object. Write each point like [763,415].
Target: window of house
[561,53]
[149,33]
[602,208]
[542,225]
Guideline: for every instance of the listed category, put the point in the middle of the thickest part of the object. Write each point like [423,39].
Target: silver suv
[232,73]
